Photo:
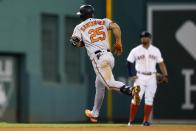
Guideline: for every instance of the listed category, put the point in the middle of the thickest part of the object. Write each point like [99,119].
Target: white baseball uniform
[95,36]
[145,64]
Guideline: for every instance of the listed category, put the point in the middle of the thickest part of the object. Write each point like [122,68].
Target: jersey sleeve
[77,33]
[131,57]
[107,22]
[159,56]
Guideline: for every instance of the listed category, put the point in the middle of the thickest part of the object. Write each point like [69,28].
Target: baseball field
[93,127]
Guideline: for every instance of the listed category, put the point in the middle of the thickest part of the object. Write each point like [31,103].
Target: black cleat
[146,123]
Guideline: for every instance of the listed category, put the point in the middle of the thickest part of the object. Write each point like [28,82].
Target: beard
[145,42]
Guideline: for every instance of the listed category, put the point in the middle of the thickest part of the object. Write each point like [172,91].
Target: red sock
[133,110]
[147,111]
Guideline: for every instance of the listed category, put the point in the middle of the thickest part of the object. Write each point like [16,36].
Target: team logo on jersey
[151,56]
[140,57]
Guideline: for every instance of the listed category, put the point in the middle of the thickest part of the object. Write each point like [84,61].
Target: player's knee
[113,85]
[149,101]
[110,83]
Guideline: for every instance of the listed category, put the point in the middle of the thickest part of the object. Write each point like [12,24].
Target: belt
[145,73]
[98,51]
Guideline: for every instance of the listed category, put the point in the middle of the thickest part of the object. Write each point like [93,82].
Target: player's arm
[131,70]
[163,68]
[131,66]
[117,34]
[161,63]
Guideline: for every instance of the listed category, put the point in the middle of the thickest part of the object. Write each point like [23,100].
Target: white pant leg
[99,96]
[103,69]
[151,88]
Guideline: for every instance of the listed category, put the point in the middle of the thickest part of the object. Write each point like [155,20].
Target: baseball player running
[92,33]
[145,57]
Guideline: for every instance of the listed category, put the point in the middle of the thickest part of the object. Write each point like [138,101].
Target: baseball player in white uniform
[92,33]
[145,57]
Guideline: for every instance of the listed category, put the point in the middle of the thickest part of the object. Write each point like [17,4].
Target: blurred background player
[92,33]
[142,62]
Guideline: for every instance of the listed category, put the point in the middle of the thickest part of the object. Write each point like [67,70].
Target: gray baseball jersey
[94,34]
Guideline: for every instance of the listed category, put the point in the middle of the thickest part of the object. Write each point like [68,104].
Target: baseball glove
[76,42]
[161,78]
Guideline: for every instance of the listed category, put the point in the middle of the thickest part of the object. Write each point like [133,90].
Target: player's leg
[106,75]
[108,78]
[99,96]
[103,69]
[149,98]
[134,106]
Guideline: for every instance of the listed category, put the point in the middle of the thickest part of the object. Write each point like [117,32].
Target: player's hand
[118,48]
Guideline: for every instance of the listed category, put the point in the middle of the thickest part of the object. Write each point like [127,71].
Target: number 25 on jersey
[97,34]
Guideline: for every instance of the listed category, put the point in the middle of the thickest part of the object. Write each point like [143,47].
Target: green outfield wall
[30,32]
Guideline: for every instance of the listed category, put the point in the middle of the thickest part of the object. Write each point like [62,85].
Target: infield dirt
[132,128]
